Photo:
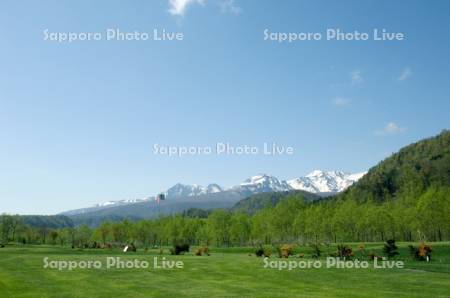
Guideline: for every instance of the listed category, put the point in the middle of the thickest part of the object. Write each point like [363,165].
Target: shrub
[316,250]
[179,249]
[422,252]
[201,251]
[267,251]
[259,252]
[373,256]
[390,249]
[344,251]
[285,250]
[362,247]
[361,250]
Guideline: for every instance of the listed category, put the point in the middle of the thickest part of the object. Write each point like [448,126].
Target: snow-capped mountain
[315,182]
[123,202]
[303,183]
[106,205]
[325,181]
[213,188]
[184,190]
[261,183]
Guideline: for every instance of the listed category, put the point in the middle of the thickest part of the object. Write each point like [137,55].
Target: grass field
[226,273]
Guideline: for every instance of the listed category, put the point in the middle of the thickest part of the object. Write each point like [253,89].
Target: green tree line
[292,220]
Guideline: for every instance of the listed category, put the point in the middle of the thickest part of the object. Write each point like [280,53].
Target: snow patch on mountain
[325,181]
[184,190]
[122,202]
[262,183]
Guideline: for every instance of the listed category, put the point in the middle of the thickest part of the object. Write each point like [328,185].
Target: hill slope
[257,202]
[409,172]
[149,209]
[47,221]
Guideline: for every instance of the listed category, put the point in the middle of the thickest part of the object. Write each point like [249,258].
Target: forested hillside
[407,173]
[47,221]
[254,203]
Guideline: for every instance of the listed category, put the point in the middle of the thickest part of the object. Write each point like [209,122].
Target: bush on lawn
[263,251]
[259,252]
[179,249]
[422,252]
[204,250]
[267,251]
[316,250]
[285,250]
[344,251]
[390,249]
[373,256]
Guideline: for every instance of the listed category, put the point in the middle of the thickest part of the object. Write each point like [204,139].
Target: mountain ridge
[317,182]
[407,173]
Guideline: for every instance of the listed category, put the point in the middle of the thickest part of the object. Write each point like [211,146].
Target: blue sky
[78,120]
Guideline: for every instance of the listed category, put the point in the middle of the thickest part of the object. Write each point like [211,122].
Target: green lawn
[227,272]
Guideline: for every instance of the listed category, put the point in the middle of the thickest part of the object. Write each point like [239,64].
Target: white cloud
[356,77]
[406,73]
[341,101]
[178,7]
[391,128]
[229,6]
